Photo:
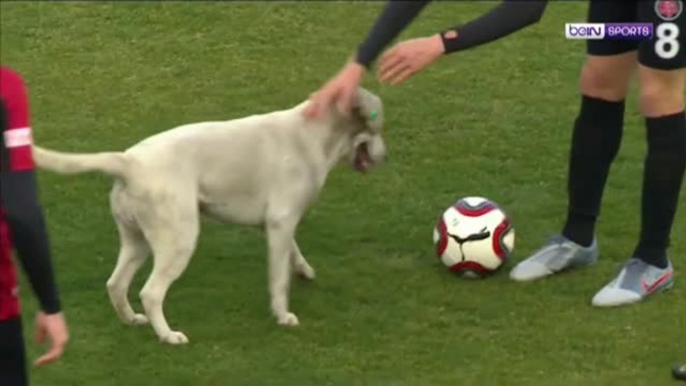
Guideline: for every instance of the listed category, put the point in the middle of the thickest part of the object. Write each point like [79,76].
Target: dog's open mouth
[363,161]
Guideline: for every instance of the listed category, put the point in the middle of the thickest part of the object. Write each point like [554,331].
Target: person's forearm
[19,201]
[393,20]
[504,19]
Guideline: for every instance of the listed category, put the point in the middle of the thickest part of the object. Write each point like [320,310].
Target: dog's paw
[174,337]
[288,320]
[307,272]
[137,320]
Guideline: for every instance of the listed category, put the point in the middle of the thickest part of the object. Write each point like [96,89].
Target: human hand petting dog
[396,66]
[340,90]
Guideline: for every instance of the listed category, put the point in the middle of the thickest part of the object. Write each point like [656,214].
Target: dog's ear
[357,114]
[367,109]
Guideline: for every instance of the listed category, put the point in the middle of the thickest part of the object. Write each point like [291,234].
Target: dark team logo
[668,10]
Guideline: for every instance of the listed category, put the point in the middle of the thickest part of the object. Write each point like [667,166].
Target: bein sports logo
[600,31]
[585,31]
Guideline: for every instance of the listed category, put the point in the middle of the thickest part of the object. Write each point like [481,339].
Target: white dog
[263,170]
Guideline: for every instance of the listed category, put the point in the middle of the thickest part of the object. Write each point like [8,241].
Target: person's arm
[393,20]
[25,217]
[19,193]
[504,19]
[507,17]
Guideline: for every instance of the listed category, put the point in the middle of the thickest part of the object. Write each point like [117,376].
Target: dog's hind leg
[173,243]
[133,252]
[300,265]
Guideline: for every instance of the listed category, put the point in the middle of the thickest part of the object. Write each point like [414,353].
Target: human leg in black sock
[595,142]
[662,179]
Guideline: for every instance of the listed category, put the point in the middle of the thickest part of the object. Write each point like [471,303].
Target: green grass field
[495,122]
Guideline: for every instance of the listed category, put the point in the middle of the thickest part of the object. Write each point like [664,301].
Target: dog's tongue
[362,160]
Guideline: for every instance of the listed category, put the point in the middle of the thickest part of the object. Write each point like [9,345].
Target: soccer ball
[474,237]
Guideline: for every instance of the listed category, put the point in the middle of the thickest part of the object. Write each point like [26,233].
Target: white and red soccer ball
[474,237]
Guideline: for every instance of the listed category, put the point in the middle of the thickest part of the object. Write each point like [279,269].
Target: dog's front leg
[280,236]
[300,265]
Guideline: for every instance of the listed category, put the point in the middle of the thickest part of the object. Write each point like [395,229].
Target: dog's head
[366,123]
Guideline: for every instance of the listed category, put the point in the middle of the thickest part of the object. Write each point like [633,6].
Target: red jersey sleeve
[16,137]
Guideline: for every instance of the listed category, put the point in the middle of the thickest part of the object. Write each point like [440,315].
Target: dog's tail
[112,163]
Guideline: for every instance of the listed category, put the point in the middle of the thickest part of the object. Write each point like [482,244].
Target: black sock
[595,142]
[662,177]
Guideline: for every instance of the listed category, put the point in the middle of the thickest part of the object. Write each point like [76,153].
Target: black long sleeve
[19,201]
[393,20]
[502,20]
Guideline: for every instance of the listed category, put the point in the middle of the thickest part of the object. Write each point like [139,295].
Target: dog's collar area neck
[373,114]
